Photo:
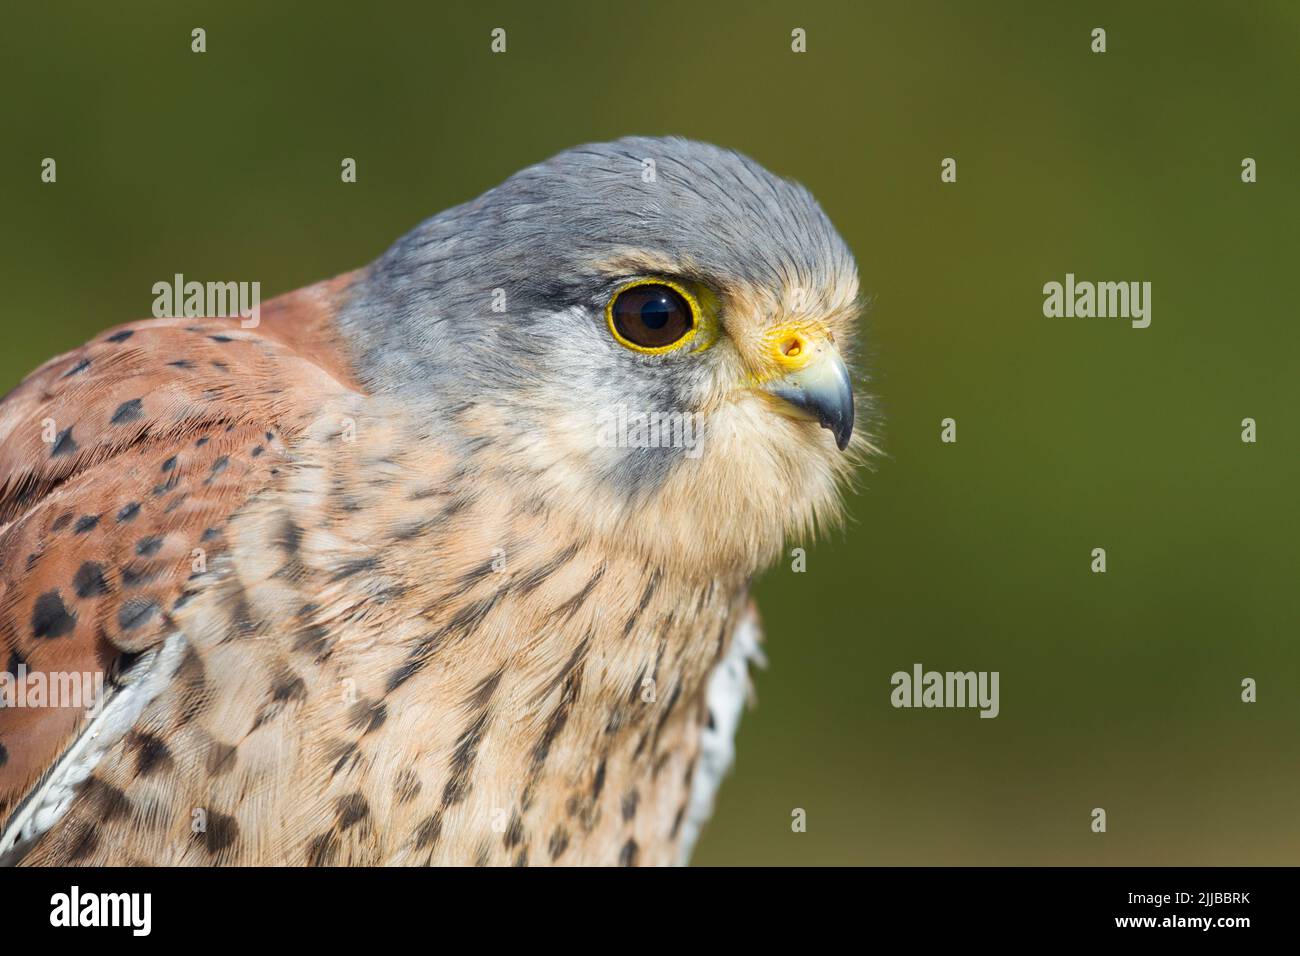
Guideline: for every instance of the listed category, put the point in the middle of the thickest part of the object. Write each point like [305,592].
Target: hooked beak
[815,384]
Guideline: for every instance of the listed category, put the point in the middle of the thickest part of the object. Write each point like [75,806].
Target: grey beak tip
[840,425]
[843,434]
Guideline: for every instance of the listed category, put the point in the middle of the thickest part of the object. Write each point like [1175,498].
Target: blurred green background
[1118,690]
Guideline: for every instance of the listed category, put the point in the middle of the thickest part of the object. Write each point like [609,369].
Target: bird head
[653,335]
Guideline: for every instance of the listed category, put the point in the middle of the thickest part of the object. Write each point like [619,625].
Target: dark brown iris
[652,316]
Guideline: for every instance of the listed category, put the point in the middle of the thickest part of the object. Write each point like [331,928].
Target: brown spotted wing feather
[120,464]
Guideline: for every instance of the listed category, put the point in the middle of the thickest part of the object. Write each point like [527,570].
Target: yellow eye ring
[652,316]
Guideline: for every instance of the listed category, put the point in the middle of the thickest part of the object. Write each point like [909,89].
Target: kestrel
[447,560]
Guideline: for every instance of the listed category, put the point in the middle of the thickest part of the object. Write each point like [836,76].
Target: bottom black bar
[334,906]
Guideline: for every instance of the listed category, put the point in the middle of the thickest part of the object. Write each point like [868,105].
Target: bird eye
[651,317]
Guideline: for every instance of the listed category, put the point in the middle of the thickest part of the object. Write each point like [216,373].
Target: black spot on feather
[79,367]
[128,411]
[222,831]
[50,618]
[368,715]
[352,809]
[135,612]
[627,856]
[426,835]
[323,850]
[64,444]
[151,754]
[89,580]
[218,467]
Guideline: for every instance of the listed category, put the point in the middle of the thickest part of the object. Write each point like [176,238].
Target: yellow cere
[794,345]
